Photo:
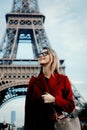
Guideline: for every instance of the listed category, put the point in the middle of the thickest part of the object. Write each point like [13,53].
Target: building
[13,117]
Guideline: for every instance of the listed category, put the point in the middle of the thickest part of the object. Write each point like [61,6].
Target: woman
[47,92]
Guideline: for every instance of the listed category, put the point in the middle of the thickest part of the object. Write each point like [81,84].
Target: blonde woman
[49,90]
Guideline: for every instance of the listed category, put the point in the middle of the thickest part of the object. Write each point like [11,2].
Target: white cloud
[66,22]
[81,82]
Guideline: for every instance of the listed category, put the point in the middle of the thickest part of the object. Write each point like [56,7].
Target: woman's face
[44,57]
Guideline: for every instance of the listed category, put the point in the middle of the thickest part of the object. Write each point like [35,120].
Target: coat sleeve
[66,102]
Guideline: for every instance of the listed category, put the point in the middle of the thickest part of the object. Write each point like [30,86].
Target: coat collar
[53,82]
[42,81]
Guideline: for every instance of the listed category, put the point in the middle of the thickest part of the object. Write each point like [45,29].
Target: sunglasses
[44,53]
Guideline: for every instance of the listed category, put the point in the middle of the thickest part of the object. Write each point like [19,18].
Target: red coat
[35,109]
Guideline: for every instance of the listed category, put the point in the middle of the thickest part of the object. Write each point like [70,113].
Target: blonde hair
[54,62]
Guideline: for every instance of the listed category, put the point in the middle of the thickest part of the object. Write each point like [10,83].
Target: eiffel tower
[25,26]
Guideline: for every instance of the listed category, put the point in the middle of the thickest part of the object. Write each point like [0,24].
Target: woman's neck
[47,71]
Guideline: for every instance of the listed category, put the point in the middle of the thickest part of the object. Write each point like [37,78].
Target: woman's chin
[43,64]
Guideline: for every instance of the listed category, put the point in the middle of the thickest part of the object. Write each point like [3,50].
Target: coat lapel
[42,82]
[52,83]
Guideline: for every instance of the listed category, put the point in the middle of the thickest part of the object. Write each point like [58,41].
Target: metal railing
[19,62]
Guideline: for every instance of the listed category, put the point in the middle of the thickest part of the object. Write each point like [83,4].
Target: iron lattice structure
[24,23]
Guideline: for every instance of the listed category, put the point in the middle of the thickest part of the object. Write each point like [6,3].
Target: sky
[66,28]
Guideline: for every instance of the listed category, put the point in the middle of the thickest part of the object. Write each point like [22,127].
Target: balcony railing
[19,62]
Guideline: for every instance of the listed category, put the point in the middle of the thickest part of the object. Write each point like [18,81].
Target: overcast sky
[66,28]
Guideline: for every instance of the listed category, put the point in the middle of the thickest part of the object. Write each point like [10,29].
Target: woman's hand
[48,98]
